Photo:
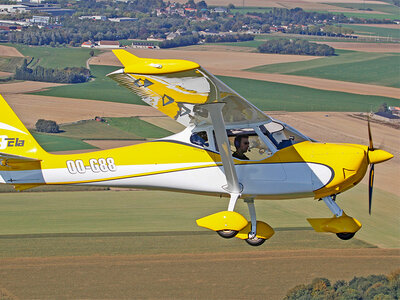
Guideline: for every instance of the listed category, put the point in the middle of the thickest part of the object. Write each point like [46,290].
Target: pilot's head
[242,143]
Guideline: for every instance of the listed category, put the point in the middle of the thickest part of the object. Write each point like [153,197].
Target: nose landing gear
[343,225]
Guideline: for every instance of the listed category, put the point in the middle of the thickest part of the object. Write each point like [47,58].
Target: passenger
[200,138]
[242,145]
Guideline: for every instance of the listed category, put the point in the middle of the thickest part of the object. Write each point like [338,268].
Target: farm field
[56,58]
[268,96]
[157,211]
[52,143]
[256,275]
[372,68]
[263,94]
[372,30]
[30,108]
[99,239]
[102,88]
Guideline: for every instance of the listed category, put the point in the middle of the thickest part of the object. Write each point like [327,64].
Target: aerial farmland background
[100,243]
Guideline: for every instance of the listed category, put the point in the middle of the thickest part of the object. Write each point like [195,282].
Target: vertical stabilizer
[15,139]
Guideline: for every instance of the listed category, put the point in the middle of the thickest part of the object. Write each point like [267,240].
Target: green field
[53,143]
[136,126]
[166,214]
[374,31]
[102,88]
[271,96]
[56,58]
[390,9]
[114,129]
[93,130]
[362,67]
[245,10]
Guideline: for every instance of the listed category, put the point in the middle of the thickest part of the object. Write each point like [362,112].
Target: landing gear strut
[253,240]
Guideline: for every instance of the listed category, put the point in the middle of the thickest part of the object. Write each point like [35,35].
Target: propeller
[371,168]
[375,156]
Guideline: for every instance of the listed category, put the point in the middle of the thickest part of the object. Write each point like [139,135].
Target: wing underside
[179,88]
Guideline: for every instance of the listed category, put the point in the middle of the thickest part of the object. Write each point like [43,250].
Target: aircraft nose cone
[378,156]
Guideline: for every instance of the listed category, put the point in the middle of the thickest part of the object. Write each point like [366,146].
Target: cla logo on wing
[5,142]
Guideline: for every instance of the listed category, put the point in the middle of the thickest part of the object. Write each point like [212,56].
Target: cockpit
[255,142]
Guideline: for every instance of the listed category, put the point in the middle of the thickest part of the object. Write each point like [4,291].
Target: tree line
[295,46]
[373,287]
[66,75]
[228,38]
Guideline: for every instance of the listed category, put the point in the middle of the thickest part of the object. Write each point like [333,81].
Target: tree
[47,126]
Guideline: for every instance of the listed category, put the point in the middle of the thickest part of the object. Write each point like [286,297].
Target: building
[108,44]
[42,20]
[95,18]
[87,44]
[122,19]
[12,9]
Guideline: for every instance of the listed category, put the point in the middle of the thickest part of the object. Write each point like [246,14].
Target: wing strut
[233,185]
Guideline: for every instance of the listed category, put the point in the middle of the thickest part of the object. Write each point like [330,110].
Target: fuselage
[306,169]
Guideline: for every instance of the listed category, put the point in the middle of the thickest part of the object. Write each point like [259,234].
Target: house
[87,44]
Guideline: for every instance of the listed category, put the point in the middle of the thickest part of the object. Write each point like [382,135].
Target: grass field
[95,130]
[363,67]
[278,96]
[56,58]
[53,143]
[138,127]
[102,88]
[163,214]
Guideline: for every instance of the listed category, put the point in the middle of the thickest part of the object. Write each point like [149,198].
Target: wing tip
[125,57]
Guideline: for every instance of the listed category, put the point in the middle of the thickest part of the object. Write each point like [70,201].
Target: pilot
[242,145]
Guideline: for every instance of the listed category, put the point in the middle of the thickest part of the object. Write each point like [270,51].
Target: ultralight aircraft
[229,148]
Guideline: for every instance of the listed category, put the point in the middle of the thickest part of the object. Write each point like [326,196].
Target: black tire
[345,235]
[255,241]
[227,234]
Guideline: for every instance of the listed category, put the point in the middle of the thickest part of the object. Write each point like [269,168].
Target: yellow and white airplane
[229,148]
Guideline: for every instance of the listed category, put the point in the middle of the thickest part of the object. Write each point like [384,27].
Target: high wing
[179,88]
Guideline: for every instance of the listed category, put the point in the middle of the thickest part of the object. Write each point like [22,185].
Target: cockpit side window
[245,144]
[200,139]
[281,136]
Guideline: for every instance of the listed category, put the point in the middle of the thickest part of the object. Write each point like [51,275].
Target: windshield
[282,136]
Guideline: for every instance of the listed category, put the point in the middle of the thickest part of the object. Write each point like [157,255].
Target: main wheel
[255,241]
[345,235]
[227,234]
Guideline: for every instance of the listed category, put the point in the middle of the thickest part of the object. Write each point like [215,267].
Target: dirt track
[249,275]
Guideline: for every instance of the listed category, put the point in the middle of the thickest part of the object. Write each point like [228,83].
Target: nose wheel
[255,241]
[345,235]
